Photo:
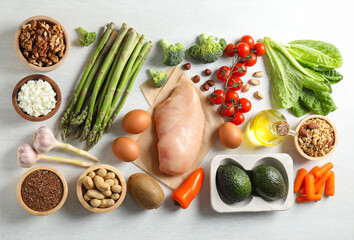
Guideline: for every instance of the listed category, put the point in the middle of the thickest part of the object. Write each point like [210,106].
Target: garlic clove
[44,140]
[26,156]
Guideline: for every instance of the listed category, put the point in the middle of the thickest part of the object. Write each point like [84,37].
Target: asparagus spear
[101,44]
[101,76]
[141,59]
[126,52]
[108,124]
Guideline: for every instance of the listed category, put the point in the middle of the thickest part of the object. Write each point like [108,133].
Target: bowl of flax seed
[42,190]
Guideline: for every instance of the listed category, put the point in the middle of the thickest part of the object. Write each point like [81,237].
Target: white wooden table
[178,21]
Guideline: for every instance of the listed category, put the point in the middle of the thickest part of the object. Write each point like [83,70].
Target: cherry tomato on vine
[230,50]
[216,97]
[260,49]
[245,105]
[250,60]
[223,73]
[239,70]
[249,40]
[243,49]
[234,84]
[238,119]
[231,96]
[228,110]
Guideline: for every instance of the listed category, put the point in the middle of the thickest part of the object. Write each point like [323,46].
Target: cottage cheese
[36,98]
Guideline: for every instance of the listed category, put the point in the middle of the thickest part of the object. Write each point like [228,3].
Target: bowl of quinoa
[42,190]
[317,137]
[36,97]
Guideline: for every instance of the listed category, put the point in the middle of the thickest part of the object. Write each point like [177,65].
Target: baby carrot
[321,181]
[301,199]
[299,179]
[310,186]
[330,185]
[322,170]
[302,190]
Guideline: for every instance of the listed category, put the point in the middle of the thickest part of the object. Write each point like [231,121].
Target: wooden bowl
[80,189]
[36,77]
[24,60]
[34,212]
[296,138]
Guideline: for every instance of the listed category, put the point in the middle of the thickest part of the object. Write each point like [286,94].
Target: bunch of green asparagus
[105,84]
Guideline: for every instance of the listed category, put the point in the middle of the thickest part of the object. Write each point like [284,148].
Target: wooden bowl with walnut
[42,43]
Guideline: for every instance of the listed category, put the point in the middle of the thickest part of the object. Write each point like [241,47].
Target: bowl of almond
[317,137]
[42,43]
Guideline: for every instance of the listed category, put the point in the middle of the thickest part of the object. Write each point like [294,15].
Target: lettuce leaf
[318,102]
[299,109]
[332,76]
[317,55]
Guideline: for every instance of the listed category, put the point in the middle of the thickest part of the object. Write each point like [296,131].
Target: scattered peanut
[115,196]
[102,172]
[110,182]
[258,95]
[258,74]
[95,203]
[105,203]
[116,188]
[254,82]
[245,88]
[100,184]
[93,193]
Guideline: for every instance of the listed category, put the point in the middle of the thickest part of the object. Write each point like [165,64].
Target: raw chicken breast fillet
[179,123]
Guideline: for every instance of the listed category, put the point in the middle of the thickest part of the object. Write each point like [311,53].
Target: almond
[303,132]
[313,126]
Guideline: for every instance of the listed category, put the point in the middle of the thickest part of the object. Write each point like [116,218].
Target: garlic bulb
[44,140]
[26,156]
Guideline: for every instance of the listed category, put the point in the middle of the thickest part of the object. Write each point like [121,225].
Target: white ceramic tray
[282,162]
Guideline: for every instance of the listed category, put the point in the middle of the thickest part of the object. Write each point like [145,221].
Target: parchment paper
[147,140]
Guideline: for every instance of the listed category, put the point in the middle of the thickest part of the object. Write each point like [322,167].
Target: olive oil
[268,128]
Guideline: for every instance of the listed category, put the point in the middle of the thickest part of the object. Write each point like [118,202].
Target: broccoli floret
[159,78]
[87,38]
[174,54]
[208,49]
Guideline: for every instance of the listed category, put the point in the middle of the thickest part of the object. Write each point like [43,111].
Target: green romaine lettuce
[299,109]
[332,76]
[318,102]
[317,55]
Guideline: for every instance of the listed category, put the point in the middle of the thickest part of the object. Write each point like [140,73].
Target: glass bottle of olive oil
[268,128]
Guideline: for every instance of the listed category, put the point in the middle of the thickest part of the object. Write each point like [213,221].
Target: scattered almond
[313,126]
[245,88]
[258,74]
[254,82]
[258,95]
[303,132]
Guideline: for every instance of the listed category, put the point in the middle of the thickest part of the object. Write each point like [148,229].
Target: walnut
[42,44]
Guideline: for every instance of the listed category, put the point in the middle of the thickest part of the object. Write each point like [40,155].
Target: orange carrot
[310,186]
[299,179]
[301,199]
[322,170]
[321,181]
[302,190]
[330,185]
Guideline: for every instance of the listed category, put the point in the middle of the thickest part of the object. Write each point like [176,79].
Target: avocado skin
[233,183]
[268,182]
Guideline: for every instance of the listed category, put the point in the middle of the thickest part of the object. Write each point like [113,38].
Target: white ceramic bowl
[282,162]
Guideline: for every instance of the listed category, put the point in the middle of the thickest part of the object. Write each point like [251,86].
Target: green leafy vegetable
[87,38]
[332,76]
[299,109]
[317,55]
[319,102]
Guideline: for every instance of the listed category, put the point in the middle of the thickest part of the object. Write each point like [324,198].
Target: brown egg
[125,149]
[136,121]
[230,135]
